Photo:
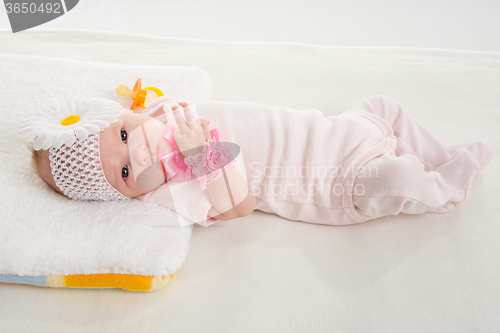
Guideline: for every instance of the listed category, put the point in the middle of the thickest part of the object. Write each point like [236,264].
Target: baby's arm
[242,196]
[242,209]
[229,200]
[230,194]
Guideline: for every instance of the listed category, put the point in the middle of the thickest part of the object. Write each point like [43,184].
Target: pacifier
[141,97]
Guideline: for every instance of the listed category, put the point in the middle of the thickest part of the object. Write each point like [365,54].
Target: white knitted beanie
[70,130]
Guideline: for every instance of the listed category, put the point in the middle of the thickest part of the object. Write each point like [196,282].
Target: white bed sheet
[263,273]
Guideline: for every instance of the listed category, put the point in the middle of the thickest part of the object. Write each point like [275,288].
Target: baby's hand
[189,136]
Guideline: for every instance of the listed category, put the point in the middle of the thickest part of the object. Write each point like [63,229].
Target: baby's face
[130,150]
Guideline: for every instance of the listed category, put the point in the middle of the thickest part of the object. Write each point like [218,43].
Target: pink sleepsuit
[370,161]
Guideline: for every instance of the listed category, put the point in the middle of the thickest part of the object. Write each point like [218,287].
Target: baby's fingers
[191,122]
[206,132]
[179,119]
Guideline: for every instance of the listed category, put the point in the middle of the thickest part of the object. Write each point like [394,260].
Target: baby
[370,161]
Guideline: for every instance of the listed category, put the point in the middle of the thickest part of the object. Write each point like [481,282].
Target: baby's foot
[483,153]
[460,170]
[481,150]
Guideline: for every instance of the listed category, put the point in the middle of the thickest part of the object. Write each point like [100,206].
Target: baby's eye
[124,135]
[125,172]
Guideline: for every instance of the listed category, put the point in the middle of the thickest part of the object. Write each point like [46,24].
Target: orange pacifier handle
[138,95]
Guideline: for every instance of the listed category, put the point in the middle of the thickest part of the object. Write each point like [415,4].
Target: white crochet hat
[70,130]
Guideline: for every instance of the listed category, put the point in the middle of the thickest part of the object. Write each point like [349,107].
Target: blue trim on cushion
[39,280]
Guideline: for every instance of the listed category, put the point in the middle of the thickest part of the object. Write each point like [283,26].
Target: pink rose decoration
[220,156]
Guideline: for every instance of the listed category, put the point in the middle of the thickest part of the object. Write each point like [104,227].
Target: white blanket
[263,273]
[43,233]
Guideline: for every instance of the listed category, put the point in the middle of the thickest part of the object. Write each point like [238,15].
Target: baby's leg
[389,185]
[413,138]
